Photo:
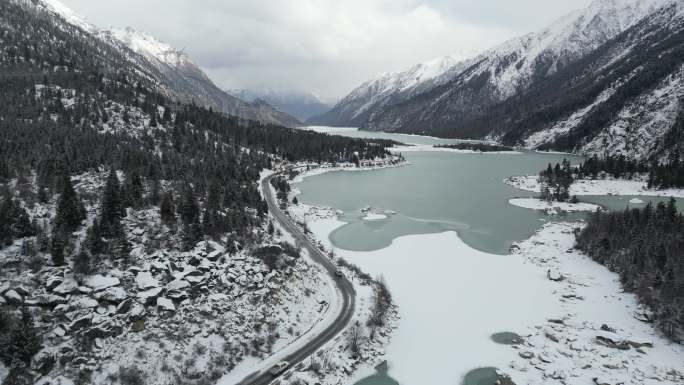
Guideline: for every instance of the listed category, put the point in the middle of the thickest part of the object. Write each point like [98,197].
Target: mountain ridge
[496,82]
[183,79]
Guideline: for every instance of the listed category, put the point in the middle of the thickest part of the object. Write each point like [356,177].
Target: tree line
[645,247]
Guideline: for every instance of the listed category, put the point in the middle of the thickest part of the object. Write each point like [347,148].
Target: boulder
[81,323]
[137,312]
[84,303]
[53,282]
[59,331]
[13,297]
[149,295]
[112,294]
[102,331]
[177,284]
[177,295]
[165,304]
[43,362]
[145,280]
[124,307]
[194,278]
[47,300]
[67,286]
[99,282]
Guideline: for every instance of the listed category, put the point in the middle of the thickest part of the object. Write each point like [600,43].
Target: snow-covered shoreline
[432,148]
[597,187]
[552,207]
[571,311]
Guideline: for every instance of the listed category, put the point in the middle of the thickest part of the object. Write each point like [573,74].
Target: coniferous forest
[646,248]
[74,110]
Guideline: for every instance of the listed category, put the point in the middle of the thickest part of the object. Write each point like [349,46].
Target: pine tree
[133,190]
[25,341]
[111,210]
[57,245]
[155,193]
[82,264]
[94,241]
[189,213]
[167,209]
[70,210]
[188,210]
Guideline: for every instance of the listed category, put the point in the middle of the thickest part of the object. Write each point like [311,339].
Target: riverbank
[597,187]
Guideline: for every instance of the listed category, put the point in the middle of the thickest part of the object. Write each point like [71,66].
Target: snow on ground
[552,207]
[597,187]
[565,348]
[439,340]
[171,314]
[431,148]
[476,294]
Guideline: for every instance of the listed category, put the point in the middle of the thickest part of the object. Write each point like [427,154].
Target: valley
[208,215]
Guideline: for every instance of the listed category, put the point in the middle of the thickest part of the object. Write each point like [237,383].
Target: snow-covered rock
[100,282]
[165,304]
[67,286]
[145,280]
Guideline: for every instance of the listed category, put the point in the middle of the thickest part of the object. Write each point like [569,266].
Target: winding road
[344,286]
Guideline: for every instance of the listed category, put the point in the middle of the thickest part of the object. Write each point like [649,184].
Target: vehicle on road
[339,274]
[279,368]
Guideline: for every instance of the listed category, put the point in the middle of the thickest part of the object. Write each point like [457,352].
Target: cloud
[324,46]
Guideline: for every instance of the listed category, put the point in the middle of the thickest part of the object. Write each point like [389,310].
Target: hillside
[135,246]
[182,79]
[370,98]
[579,85]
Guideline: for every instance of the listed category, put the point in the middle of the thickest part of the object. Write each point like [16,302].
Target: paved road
[343,284]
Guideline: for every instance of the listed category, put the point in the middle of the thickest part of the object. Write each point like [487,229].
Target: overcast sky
[327,47]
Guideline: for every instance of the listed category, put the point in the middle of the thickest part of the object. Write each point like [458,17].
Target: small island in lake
[479,147]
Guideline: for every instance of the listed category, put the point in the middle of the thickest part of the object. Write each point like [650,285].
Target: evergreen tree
[70,210]
[111,210]
[57,245]
[94,241]
[167,209]
[189,213]
[133,190]
[82,264]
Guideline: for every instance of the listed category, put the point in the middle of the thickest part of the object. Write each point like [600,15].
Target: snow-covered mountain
[360,105]
[177,75]
[301,105]
[467,98]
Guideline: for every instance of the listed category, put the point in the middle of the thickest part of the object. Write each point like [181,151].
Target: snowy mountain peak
[56,6]
[150,47]
[403,80]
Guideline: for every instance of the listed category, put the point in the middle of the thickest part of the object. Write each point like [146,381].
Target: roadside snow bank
[597,187]
[552,207]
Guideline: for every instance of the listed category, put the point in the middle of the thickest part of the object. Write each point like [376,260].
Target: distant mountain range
[176,73]
[608,78]
[301,105]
